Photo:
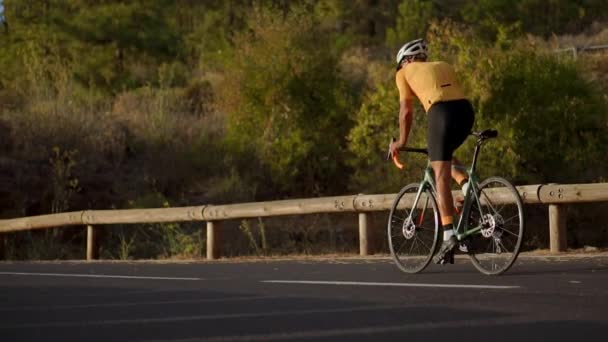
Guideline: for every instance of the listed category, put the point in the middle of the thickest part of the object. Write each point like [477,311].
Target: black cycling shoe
[446,252]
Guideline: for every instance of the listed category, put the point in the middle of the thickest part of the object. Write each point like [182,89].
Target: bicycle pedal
[465,246]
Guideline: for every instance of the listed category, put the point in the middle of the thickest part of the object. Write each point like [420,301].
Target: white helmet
[414,48]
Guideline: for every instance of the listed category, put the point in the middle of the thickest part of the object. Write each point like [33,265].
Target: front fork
[409,224]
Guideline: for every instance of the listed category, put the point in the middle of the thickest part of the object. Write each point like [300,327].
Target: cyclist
[450,119]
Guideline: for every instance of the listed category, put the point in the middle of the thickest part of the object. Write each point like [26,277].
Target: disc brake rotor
[409,228]
[489,224]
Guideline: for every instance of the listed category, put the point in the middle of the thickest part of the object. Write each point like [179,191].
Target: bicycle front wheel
[413,229]
[500,215]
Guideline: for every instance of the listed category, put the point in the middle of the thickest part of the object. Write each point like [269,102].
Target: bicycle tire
[416,230]
[502,216]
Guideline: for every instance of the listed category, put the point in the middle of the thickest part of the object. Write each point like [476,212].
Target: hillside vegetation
[126,104]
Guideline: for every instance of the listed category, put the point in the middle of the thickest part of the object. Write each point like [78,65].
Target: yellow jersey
[431,82]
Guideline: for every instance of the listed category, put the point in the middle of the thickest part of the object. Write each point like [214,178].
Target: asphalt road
[542,299]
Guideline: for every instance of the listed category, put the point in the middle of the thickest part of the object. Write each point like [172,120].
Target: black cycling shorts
[450,123]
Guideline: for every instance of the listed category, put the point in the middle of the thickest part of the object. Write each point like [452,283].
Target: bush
[551,120]
[286,102]
[375,123]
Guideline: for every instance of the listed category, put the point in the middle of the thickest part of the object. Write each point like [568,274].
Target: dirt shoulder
[340,258]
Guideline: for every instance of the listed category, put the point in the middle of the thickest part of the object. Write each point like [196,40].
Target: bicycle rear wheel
[501,217]
[413,232]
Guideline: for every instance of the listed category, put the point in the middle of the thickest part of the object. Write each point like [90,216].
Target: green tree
[114,40]
[110,45]
[286,101]
[376,123]
[539,17]
[413,21]
[358,21]
[551,120]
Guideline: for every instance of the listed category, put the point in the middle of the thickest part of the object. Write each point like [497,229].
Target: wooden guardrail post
[557,228]
[556,196]
[364,234]
[90,242]
[213,240]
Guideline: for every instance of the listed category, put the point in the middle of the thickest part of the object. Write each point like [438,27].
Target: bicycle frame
[481,231]
[462,230]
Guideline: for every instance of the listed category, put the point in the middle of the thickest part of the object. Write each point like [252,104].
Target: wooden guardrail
[576,50]
[557,196]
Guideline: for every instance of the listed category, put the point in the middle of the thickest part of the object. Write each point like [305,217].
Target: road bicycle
[489,225]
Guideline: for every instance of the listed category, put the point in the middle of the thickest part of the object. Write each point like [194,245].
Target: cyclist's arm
[406,115]
[405,107]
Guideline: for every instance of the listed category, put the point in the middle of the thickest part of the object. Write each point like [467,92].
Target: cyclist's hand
[394,153]
[394,148]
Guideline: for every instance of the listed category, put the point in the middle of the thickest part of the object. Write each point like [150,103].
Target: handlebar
[482,136]
[395,157]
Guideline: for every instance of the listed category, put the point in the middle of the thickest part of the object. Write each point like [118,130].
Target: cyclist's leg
[457,174]
[443,179]
[460,131]
[449,125]
[442,170]
[440,155]
[461,179]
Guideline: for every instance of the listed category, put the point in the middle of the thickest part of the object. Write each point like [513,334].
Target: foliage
[376,123]
[539,17]
[509,83]
[286,102]
[64,185]
[261,247]
[217,101]
[412,22]
[362,21]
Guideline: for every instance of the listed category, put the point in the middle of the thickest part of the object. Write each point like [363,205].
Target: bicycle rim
[413,232]
[495,248]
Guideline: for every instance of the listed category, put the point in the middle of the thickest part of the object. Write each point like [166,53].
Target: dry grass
[336,258]
[595,35]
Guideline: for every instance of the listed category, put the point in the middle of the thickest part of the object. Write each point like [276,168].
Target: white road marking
[75,275]
[358,283]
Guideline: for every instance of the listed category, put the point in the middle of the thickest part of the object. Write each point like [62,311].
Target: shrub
[286,102]
[550,118]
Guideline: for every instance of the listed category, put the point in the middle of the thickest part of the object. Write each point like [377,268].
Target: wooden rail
[555,195]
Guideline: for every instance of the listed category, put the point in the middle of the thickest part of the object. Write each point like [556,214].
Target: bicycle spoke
[398,218]
[488,201]
[510,232]
[422,242]
[502,211]
[503,246]
[488,248]
[411,247]
[512,218]
[414,254]
[401,247]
